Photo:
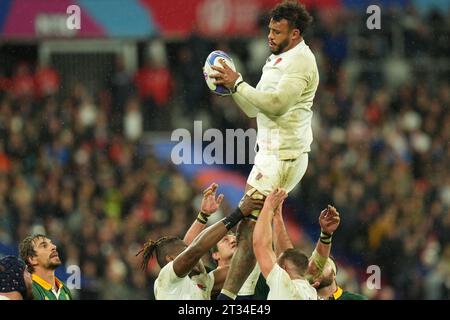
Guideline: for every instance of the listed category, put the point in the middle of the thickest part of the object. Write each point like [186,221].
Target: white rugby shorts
[269,172]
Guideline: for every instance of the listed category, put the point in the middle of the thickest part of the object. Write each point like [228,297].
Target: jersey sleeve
[166,279]
[167,275]
[295,79]
[245,105]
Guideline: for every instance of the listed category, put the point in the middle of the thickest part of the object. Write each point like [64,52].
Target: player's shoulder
[277,276]
[303,61]
[167,268]
[167,274]
[38,291]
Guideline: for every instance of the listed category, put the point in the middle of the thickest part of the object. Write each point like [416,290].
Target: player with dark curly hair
[183,275]
[282,105]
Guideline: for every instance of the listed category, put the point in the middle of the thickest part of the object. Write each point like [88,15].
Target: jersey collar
[338,293]
[44,284]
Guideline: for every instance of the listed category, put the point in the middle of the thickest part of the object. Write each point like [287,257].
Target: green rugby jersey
[42,290]
[346,295]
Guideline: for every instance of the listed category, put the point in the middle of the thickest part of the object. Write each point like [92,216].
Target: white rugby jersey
[168,286]
[248,288]
[282,287]
[282,102]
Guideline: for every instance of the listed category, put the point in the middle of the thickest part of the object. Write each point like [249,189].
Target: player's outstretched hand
[329,219]
[275,199]
[209,202]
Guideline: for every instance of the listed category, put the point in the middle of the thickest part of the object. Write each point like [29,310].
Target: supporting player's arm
[281,239]
[184,262]
[208,206]
[262,235]
[220,275]
[329,220]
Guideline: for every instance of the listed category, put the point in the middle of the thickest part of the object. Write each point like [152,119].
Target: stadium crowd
[73,164]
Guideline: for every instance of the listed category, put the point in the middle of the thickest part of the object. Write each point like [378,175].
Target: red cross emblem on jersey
[201,286]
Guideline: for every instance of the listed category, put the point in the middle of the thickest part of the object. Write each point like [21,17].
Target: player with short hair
[285,276]
[42,259]
[281,103]
[329,220]
[15,280]
[322,269]
[183,275]
[222,252]
[328,288]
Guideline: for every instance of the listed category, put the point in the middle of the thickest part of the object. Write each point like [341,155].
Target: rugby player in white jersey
[329,220]
[281,103]
[222,252]
[183,275]
[287,270]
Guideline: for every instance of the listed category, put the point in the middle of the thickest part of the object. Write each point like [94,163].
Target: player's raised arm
[329,220]
[262,235]
[208,206]
[184,262]
[281,240]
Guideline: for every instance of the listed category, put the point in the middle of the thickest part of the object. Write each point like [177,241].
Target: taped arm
[316,264]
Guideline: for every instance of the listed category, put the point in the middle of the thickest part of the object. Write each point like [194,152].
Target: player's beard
[279,48]
[53,264]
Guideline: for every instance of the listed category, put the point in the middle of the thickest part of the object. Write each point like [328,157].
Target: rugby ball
[213,59]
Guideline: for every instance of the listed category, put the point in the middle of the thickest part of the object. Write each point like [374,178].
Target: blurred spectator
[22,82]
[155,85]
[47,81]
[121,89]
[133,121]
